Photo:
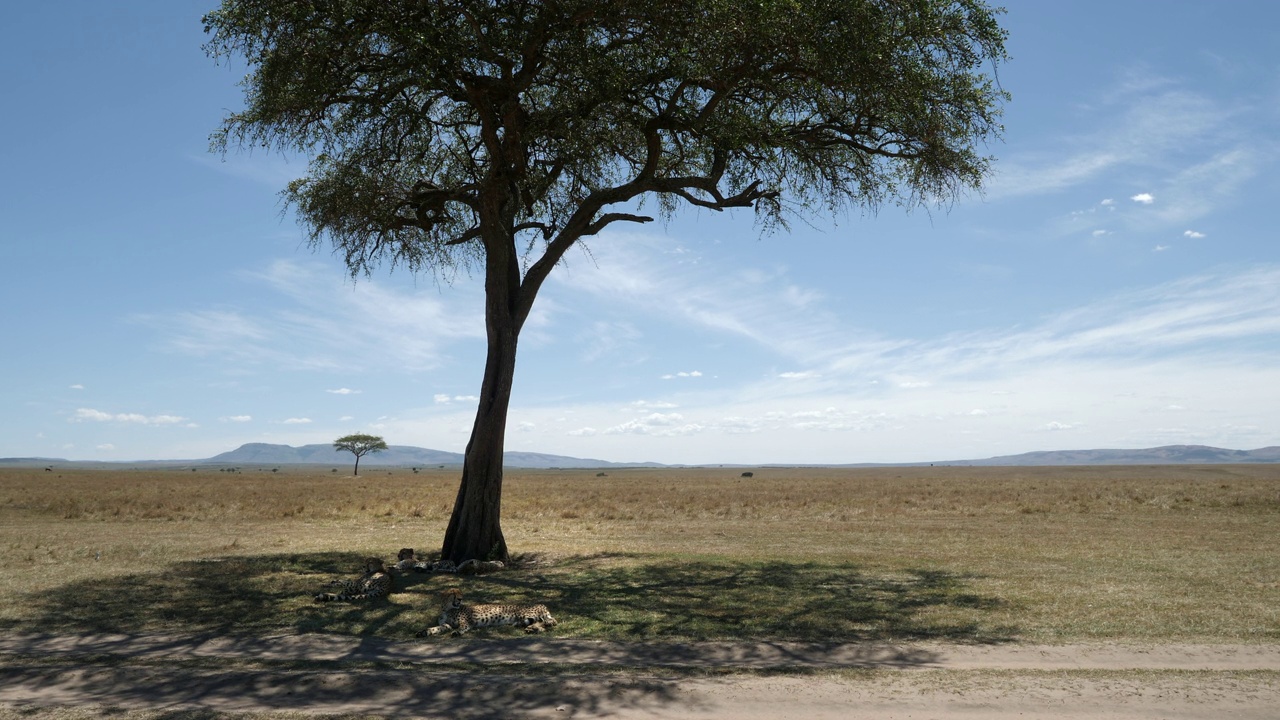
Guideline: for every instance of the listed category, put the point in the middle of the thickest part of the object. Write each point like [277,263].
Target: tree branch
[609,218]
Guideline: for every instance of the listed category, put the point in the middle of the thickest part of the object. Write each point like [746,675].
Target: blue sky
[1116,285]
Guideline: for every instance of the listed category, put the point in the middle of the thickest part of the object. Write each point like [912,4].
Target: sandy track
[512,680]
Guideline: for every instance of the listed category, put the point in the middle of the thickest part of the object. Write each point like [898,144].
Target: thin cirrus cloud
[1145,121]
[1191,318]
[1141,128]
[636,272]
[1196,317]
[326,324]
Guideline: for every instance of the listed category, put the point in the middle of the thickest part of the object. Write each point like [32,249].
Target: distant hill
[324,454]
[24,461]
[410,456]
[394,455]
[1166,455]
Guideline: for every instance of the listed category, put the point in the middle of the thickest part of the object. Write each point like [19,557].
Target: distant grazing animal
[457,618]
[748,474]
[374,583]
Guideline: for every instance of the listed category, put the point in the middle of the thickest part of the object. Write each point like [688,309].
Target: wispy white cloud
[270,169]
[1176,335]
[1133,124]
[77,386]
[1202,149]
[1193,234]
[91,415]
[661,424]
[652,404]
[343,391]
[296,421]
[633,272]
[443,398]
[683,374]
[1201,314]
[327,323]
[614,340]
[237,418]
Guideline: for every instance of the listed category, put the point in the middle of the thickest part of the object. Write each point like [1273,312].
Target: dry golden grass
[967,554]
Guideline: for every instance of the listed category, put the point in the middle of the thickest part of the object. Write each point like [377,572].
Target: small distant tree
[359,445]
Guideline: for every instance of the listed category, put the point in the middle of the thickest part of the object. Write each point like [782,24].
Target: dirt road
[537,678]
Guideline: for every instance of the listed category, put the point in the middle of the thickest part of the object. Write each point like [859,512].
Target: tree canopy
[502,132]
[417,114]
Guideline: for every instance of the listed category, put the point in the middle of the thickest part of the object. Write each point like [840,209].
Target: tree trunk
[475,530]
[356,473]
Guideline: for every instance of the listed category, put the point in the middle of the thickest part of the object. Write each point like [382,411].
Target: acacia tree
[359,444]
[499,133]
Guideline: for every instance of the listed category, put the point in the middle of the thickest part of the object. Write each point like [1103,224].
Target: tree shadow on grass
[625,598]
[648,599]
[244,595]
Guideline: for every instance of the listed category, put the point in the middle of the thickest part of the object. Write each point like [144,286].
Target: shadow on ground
[190,694]
[643,598]
[614,597]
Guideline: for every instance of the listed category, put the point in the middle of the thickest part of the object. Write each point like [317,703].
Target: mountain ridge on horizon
[413,456]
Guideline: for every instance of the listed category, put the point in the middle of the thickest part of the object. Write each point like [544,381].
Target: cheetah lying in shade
[374,583]
[457,618]
[407,561]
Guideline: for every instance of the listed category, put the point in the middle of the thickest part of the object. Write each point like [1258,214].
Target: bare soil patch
[44,675]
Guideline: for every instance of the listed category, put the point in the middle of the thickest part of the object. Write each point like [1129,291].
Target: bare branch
[609,218]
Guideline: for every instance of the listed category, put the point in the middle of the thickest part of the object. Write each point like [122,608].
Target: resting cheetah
[458,618]
[374,583]
[406,562]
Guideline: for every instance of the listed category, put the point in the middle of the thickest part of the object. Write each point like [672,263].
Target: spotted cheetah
[457,618]
[406,562]
[374,583]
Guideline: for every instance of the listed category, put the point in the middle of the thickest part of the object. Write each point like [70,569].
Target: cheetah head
[374,565]
[405,554]
[450,599]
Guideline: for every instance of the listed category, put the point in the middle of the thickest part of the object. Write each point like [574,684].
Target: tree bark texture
[475,528]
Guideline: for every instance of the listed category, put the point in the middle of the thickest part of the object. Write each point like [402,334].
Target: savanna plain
[1139,557]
